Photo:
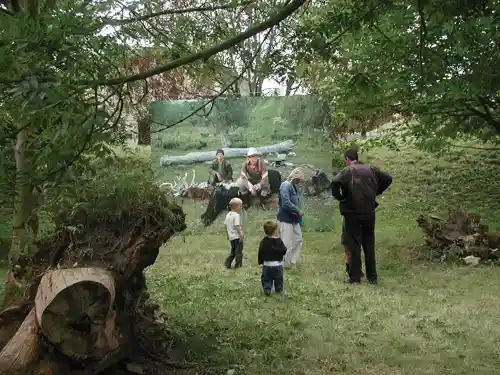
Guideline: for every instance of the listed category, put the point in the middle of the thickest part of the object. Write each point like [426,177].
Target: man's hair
[351,154]
[219,151]
[270,227]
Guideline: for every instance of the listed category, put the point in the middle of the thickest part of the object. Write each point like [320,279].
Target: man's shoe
[350,281]
[373,281]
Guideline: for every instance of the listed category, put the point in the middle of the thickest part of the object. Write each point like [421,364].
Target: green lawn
[422,318]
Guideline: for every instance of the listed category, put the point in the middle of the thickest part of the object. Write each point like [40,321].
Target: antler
[193,182]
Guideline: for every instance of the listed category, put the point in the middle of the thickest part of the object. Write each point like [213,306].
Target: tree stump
[86,308]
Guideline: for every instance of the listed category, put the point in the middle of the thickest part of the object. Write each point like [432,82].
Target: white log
[229,153]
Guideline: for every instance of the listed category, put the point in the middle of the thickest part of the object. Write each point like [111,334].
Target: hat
[235,201]
[252,151]
[219,151]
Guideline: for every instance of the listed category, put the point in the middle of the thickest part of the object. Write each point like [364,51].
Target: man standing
[356,187]
[220,170]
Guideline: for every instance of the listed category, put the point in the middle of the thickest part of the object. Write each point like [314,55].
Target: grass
[422,318]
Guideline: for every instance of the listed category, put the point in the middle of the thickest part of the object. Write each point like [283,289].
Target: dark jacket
[271,249]
[224,168]
[357,186]
[289,203]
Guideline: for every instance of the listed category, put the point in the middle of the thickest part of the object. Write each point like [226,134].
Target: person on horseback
[253,177]
[220,170]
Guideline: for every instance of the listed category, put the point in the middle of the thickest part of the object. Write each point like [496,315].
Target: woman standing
[290,216]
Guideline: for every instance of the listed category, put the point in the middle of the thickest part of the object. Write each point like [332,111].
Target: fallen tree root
[86,293]
[460,235]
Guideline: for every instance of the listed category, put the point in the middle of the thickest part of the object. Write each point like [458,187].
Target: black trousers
[235,253]
[272,276]
[360,233]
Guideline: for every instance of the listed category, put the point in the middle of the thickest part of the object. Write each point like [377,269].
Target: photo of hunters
[356,188]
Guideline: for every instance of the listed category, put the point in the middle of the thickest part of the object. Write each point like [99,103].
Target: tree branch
[207,53]
[230,5]
[225,89]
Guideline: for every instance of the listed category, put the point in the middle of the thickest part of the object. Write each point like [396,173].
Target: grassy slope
[421,319]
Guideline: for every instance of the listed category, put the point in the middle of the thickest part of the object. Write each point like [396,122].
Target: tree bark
[21,355]
[23,198]
[229,153]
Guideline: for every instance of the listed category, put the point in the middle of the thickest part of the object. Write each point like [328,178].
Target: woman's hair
[297,174]
[270,227]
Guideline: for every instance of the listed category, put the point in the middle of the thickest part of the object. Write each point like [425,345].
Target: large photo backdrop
[231,122]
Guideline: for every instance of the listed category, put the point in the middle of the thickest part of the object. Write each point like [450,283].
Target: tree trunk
[144,132]
[203,156]
[22,355]
[73,313]
[461,234]
[21,214]
[290,80]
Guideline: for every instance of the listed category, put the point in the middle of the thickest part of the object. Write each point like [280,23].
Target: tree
[245,66]
[431,62]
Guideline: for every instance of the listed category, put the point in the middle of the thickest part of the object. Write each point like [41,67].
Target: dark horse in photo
[222,194]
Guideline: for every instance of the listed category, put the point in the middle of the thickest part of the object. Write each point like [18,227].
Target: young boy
[271,253]
[234,234]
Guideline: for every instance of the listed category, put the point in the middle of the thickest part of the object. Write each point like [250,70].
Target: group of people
[253,176]
[356,188]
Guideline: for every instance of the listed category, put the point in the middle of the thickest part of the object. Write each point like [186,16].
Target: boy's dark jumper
[271,249]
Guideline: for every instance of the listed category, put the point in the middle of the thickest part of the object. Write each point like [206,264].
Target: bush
[110,188]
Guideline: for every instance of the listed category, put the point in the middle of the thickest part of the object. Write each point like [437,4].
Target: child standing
[271,253]
[234,234]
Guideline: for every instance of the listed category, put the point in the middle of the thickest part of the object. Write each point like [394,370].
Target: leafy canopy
[433,61]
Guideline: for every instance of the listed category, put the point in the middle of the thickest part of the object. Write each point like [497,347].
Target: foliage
[109,188]
[430,61]
[243,68]
[237,115]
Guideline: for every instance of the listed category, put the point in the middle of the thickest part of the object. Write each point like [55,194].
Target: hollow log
[73,311]
[229,153]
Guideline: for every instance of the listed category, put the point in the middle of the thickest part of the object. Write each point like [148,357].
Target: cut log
[23,356]
[73,310]
[20,353]
[203,156]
